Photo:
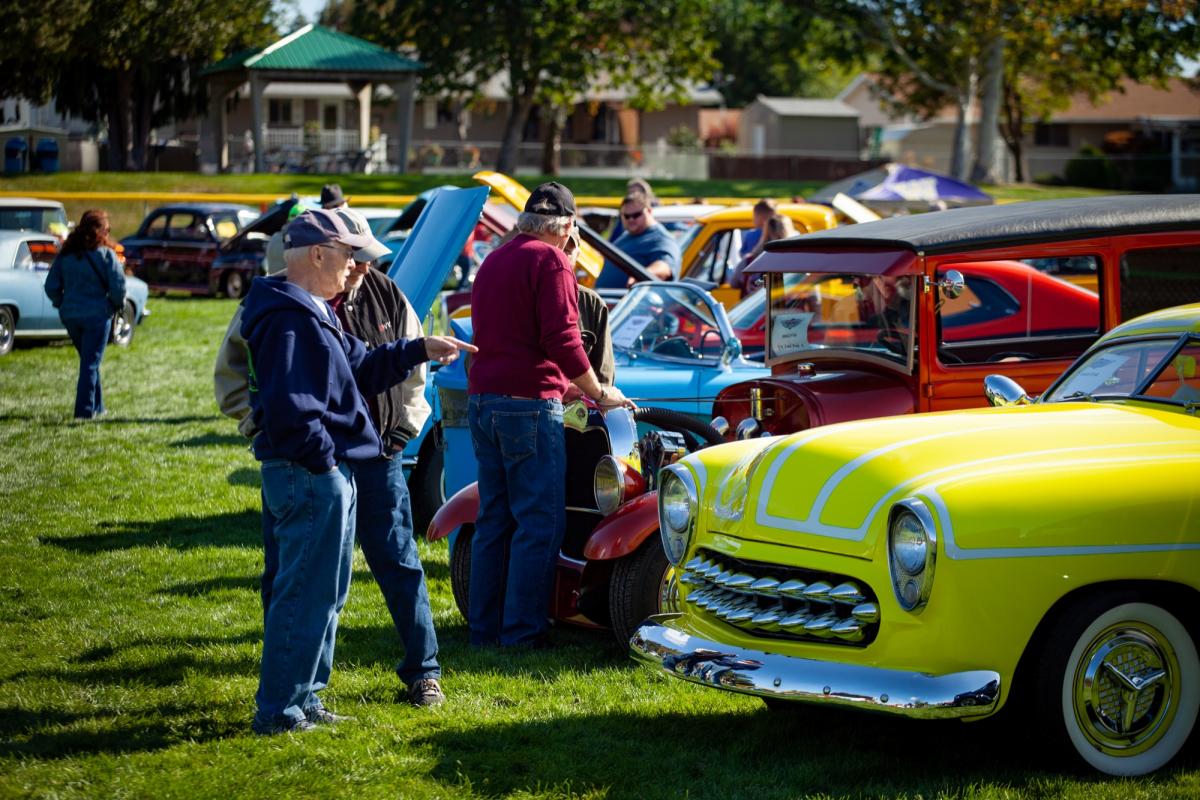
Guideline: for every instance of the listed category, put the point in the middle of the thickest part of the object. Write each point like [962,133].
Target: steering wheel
[675,346]
[892,340]
[1011,354]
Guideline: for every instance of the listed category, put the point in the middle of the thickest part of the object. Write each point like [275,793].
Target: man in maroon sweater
[524,308]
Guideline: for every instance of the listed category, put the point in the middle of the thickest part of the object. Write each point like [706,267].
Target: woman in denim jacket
[87,285]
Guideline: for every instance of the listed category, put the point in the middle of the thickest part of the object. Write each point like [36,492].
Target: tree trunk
[118,122]
[518,114]
[987,168]
[1013,130]
[967,101]
[141,113]
[552,142]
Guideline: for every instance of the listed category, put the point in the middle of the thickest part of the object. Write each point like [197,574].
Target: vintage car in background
[841,340]
[998,299]
[712,248]
[26,312]
[37,216]
[1044,554]
[176,246]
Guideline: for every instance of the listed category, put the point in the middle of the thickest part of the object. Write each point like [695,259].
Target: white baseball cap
[357,223]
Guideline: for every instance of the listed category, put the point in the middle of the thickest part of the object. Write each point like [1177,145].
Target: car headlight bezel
[678,507]
[912,553]
[608,484]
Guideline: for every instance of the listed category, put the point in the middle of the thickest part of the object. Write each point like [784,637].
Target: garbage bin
[14,155]
[45,155]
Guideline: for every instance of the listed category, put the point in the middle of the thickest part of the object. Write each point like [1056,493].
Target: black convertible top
[983,227]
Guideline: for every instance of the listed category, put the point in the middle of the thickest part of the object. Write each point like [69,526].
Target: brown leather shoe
[426,692]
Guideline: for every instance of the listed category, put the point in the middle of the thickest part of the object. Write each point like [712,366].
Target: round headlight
[609,485]
[677,506]
[912,551]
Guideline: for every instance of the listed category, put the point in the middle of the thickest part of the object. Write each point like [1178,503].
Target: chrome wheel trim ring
[1126,689]
[6,332]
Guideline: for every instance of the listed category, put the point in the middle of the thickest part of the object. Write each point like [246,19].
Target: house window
[329,116]
[279,112]
[1050,135]
[429,108]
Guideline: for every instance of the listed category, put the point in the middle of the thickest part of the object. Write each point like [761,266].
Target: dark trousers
[90,337]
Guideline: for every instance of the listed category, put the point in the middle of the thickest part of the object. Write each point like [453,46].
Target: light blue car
[673,346]
[26,312]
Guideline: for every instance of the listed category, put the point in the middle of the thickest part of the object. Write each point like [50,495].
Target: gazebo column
[256,110]
[363,94]
[404,108]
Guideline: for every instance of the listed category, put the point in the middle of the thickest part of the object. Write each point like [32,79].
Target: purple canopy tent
[895,188]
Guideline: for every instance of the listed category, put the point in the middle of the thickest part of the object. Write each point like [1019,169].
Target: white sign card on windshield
[1098,372]
[627,335]
[789,332]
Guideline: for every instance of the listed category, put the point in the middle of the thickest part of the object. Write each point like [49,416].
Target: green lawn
[126,215]
[130,626]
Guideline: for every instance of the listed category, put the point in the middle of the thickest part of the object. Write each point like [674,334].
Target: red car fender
[623,531]
[460,509]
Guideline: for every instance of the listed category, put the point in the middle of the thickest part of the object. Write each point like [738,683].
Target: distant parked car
[176,245]
[243,258]
[29,214]
[26,312]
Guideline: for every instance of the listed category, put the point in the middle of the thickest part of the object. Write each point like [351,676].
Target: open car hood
[424,260]
[517,195]
[268,223]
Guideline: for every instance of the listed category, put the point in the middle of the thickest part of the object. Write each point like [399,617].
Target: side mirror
[952,284]
[731,353]
[1001,390]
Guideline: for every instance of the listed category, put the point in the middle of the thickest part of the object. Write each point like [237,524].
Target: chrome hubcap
[1126,689]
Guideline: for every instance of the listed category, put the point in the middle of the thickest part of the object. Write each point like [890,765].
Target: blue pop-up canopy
[893,187]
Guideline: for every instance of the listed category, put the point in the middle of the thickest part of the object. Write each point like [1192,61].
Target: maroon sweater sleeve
[557,293]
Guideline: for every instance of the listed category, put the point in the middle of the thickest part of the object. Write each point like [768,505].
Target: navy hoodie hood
[308,378]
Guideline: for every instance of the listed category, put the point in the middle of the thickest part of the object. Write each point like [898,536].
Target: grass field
[127,215]
[130,627]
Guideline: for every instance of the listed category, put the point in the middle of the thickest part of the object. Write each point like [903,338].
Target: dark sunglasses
[634,215]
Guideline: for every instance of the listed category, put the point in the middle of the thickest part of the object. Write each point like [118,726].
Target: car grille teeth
[779,602]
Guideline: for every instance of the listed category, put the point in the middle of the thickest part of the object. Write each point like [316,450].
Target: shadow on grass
[822,752]
[233,529]
[57,734]
[245,476]
[55,418]
[212,439]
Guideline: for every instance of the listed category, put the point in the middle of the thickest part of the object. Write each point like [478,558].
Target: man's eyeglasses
[343,252]
[634,215]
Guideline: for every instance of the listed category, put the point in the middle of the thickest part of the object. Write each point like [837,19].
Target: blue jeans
[90,337]
[385,531]
[313,526]
[522,516]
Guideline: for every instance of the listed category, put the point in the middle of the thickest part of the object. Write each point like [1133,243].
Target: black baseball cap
[551,199]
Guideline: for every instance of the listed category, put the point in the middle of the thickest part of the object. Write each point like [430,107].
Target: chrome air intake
[781,602]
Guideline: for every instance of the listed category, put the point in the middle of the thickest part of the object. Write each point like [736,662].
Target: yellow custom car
[943,565]
[711,250]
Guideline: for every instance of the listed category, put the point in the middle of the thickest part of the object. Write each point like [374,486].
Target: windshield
[665,320]
[818,311]
[42,220]
[1156,369]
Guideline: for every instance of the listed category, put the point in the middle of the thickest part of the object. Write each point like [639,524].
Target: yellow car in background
[944,565]
[712,248]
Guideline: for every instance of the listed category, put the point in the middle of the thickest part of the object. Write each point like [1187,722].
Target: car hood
[271,221]
[424,260]
[517,195]
[1036,476]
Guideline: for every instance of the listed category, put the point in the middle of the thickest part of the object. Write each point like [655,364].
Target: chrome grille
[781,602]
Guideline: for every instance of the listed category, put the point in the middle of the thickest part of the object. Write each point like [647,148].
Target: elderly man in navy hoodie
[308,379]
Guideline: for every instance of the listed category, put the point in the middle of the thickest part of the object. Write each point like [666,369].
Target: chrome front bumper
[664,641]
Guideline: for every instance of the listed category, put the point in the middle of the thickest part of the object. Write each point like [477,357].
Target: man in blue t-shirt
[646,241]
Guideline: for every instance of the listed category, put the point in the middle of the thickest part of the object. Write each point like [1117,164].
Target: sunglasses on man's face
[633,215]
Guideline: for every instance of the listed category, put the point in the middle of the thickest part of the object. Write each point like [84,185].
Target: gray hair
[540,224]
[295,255]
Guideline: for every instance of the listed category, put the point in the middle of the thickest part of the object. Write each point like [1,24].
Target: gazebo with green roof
[317,55]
